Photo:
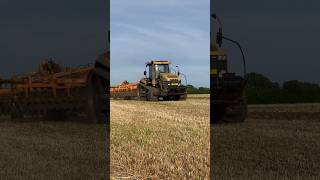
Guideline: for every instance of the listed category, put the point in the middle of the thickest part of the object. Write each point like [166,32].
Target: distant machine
[228,100]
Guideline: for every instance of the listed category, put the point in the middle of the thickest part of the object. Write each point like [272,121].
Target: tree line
[261,90]
[194,90]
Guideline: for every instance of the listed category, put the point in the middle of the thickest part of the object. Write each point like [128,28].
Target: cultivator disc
[57,93]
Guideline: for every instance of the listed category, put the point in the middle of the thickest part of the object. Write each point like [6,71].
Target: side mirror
[178,70]
[145,73]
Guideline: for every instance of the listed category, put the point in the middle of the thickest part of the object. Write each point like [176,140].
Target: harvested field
[167,140]
[34,149]
[275,142]
[160,140]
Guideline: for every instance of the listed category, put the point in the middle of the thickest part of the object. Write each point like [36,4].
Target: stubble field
[160,140]
[36,149]
[170,140]
[275,142]
[167,140]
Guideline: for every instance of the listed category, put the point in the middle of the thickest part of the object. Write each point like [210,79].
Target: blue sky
[177,30]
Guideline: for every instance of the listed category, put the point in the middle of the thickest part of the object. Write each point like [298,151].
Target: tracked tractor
[159,83]
[228,101]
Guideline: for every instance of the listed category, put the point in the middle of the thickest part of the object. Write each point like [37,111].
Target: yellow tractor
[160,83]
[228,101]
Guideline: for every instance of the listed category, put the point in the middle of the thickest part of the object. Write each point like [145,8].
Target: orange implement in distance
[125,90]
[124,87]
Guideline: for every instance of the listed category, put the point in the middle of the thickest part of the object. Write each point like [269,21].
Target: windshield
[159,68]
[162,68]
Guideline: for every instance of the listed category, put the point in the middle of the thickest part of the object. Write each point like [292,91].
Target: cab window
[162,68]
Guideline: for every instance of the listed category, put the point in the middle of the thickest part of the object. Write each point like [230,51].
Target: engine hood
[169,77]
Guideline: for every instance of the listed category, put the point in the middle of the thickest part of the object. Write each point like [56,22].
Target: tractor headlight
[166,84]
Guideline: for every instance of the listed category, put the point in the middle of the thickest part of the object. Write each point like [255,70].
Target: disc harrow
[57,91]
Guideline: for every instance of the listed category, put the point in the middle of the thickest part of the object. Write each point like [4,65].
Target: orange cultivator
[56,91]
[125,90]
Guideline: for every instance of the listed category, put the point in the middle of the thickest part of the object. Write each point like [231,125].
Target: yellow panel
[161,62]
[217,52]
[214,71]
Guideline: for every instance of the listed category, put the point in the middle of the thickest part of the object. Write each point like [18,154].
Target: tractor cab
[161,67]
[155,68]
[158,72]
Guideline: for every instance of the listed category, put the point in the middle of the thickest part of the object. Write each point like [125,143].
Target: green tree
[260,89]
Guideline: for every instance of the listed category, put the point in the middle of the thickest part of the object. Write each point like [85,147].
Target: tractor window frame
[166,69]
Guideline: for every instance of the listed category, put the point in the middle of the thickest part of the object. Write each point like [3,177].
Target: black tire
[142,93]
[97,103]
[150,96]
[174,98]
